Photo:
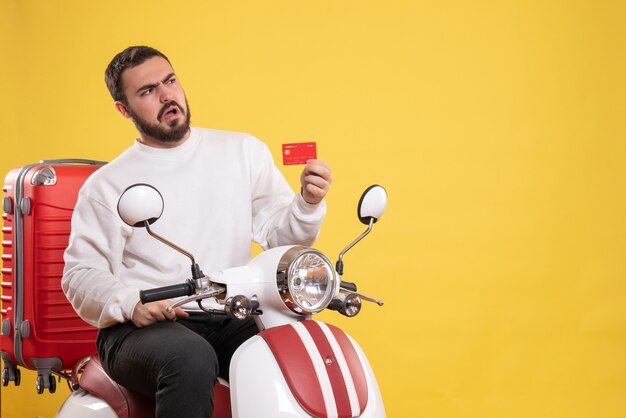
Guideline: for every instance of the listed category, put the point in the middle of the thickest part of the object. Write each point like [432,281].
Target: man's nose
[165,93]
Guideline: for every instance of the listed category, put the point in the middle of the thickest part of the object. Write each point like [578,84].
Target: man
[221,191]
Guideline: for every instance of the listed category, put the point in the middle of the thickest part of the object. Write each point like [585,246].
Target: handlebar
[348,286]
[167,292]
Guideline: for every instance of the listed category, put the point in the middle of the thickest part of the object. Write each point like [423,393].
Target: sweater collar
[170,153]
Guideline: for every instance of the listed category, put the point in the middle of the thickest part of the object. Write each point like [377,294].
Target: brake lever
[379,302]
[213,290]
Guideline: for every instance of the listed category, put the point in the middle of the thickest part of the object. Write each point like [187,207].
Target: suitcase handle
[72,161]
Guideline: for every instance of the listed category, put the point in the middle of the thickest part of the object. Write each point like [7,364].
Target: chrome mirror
[140,203]
[371,207]
[372,204]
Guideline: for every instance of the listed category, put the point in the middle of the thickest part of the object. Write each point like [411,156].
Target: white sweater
[221,191]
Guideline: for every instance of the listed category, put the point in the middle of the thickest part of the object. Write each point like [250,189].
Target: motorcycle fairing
[321,368]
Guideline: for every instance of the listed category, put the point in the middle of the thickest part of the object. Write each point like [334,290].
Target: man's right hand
[151,312]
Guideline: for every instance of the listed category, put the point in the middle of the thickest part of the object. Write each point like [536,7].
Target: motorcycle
[294,367]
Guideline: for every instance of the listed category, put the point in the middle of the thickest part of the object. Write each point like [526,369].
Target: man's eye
[171,81]
[146,92]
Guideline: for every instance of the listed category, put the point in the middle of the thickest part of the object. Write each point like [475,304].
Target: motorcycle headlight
[306,280]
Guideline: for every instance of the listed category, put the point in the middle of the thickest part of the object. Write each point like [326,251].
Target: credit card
[299,153]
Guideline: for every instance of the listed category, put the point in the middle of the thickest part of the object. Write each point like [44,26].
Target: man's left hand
[315,180]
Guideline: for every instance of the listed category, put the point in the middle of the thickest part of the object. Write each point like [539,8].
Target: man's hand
[315,180]
[149,313]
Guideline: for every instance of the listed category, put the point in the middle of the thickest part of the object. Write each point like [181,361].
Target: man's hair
[128,58]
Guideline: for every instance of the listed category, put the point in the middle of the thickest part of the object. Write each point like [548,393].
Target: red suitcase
[40,329]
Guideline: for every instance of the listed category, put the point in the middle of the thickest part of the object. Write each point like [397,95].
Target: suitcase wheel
[53,384]
[11,375]
[42,383]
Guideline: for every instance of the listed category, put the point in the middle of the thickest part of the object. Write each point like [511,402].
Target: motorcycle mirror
[140,203]
[372,204]
[371,207]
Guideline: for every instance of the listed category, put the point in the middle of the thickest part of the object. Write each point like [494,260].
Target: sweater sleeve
[94,252]
[278,216]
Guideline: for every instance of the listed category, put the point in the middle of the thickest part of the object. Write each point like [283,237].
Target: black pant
[175,362]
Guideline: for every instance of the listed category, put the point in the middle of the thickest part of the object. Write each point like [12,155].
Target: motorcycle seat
[128,404]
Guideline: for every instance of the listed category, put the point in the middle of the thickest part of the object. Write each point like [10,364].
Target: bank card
[299,152]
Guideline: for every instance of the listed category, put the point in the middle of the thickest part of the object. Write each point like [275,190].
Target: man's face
[156,102]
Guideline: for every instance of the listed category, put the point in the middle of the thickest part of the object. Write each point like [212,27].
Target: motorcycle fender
[259,386]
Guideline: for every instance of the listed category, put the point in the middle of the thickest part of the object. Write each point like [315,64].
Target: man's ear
[122,108]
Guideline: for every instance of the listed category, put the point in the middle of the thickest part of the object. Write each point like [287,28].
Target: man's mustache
[166,106]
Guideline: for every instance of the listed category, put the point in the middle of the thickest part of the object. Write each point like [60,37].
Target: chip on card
[299,153]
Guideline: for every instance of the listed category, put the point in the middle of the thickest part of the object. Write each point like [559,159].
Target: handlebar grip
[348,286]
[167,292]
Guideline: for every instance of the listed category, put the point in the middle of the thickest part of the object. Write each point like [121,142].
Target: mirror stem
[196,273]
[166,242]
[339,266]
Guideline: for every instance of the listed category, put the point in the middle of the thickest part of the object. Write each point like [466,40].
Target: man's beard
[176,132]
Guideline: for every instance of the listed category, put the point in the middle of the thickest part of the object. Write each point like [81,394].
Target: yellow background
[497,127]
